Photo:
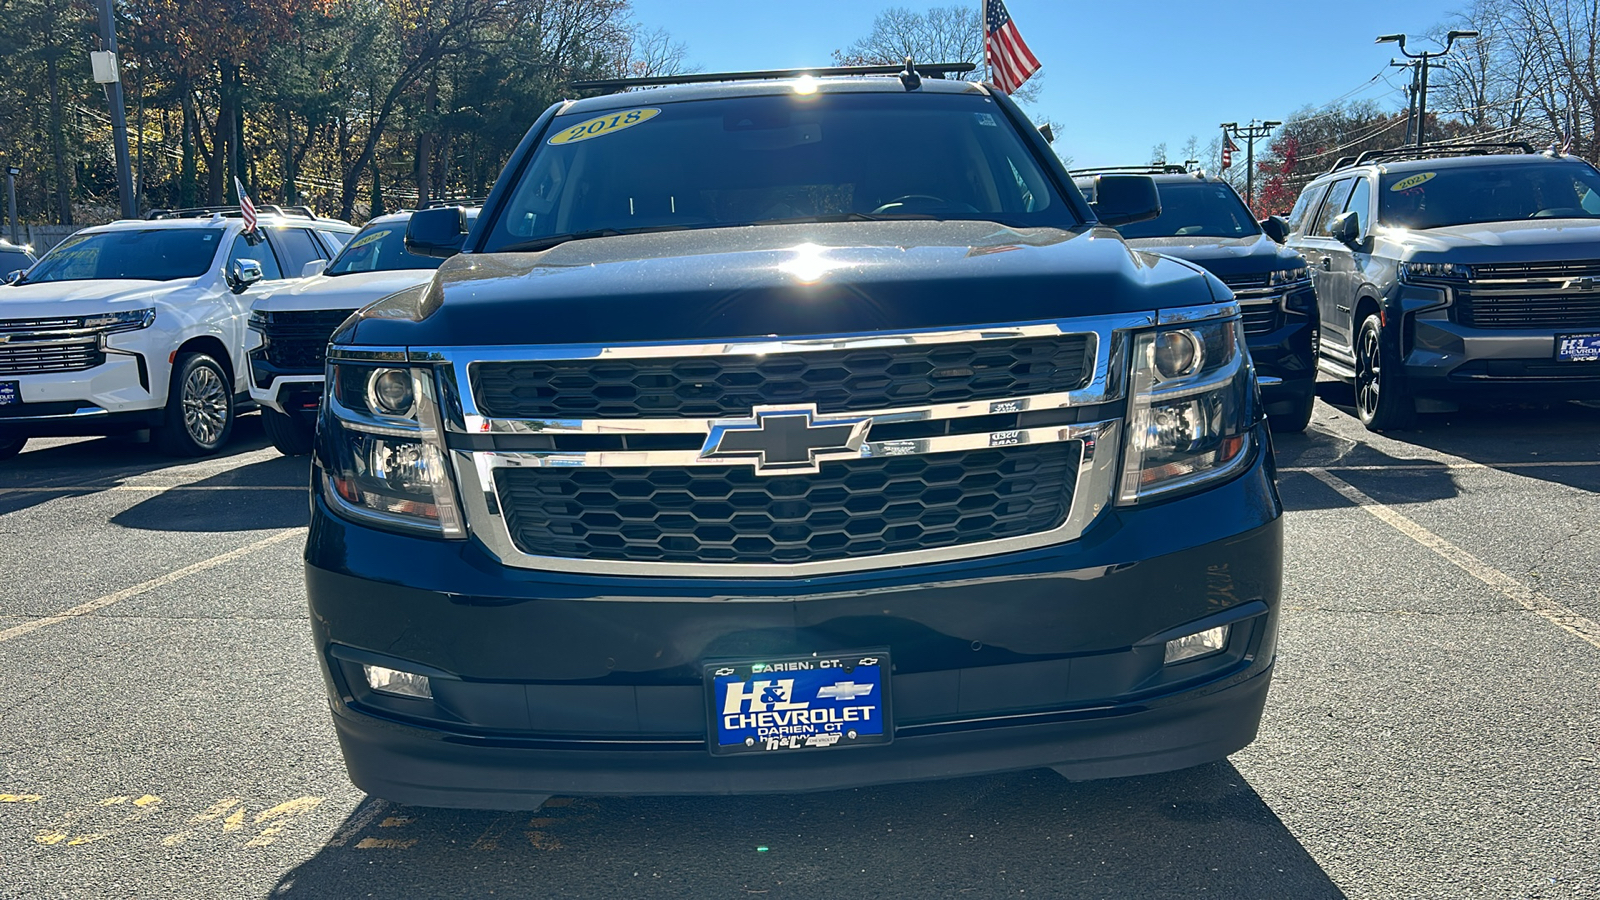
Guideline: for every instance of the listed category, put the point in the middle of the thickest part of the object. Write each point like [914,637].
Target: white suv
[141,324]
[290,325]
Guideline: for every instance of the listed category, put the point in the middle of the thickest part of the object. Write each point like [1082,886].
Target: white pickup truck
[140,324]
[290,325]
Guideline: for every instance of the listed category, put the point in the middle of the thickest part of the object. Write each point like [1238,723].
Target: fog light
[410,684]
[1192,646]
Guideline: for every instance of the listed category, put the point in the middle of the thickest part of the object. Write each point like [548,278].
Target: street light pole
[11,201]
[119,114]
[1423,59]
[1250,133]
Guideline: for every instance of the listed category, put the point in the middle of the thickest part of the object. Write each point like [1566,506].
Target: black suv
[1203,220]
[1455,272]
[790,433]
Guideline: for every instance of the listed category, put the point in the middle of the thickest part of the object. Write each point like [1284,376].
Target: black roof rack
[201,212]
[1433,151]
[454,201]
[1158,169]
[612,85]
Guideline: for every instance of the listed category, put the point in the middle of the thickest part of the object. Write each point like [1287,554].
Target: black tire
[10,447]
[1297,419]
[292,435]
[200,410]
[1382,402]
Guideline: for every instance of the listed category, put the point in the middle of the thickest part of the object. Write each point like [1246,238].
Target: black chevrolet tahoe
[1449,273]
[1203,220]
[785,434]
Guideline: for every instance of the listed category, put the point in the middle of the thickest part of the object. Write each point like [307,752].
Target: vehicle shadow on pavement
[1203,831]
[263,495]
[46,471]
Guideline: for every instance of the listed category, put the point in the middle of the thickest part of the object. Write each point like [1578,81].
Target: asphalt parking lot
[1433,731]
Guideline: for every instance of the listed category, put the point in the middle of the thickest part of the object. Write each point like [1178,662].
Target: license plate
[1578,347]
[798,703]
[10,393]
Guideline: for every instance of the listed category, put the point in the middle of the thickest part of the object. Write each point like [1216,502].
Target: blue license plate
[1578,347]
[799,703]
[10,393]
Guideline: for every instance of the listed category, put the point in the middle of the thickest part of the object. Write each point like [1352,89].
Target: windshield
[772,159]
[379,248]
[1493,192]
[1195,209]
[156,254]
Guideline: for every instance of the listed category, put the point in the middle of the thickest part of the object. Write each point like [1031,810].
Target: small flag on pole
[246,208]
[1009,59]
[1228,150]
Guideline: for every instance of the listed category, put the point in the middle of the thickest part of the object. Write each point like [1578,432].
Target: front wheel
[292,435]
[10,447]
[199,407]
[1296,419]
[1382,402]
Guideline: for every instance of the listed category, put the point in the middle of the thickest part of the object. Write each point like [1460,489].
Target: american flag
[1010,61]
[1228,149]
[246,208]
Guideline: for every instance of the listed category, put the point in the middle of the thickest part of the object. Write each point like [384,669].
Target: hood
[1225,257]
[779,280]
[81,298]
[1522,240]
[351,291]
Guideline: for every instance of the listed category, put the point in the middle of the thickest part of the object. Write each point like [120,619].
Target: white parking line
[98,603]
[1449,464]
[1584,628]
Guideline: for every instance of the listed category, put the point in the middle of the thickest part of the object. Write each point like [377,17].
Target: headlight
[1434,271]
[1191,409]
[382,450]
[124,320]
[258,321]
[1287,277]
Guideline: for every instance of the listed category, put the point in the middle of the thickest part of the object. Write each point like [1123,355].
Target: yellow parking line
[1583,628]
[1444,466]
[99,603]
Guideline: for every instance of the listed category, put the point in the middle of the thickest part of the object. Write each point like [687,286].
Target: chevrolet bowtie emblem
[786,440]
[1586,283]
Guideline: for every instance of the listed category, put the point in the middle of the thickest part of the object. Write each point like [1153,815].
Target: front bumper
[1285,361]
[114,396]
[1446,359]
[548,682]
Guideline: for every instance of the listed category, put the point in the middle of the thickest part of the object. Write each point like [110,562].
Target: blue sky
[1120,76]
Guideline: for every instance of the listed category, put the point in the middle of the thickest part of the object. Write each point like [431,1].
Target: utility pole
[1423,59]
[1250,133]
[11,201]
[106,72]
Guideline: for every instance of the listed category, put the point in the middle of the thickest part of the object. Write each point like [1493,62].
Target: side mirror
[242,274]
[1048,133]
[1125,199]
[314,267]
[437,232]
[1276,227]
[1346,229]
[13,276]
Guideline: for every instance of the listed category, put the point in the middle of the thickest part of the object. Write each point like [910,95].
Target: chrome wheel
[205,406]
[1369,373]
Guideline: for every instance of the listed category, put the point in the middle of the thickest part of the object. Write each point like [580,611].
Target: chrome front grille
[848,510]
[45,345]
[1261,318]
[1027,461]
[836,380]
[1546,295]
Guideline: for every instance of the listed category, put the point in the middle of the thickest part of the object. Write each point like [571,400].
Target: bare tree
[1158,154]
[653,52]
[946,34]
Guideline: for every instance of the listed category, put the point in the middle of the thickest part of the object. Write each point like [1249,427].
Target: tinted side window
[1361,204]
[1309,198]
[298,248]
[1337,197]
[334,239]
[261,253]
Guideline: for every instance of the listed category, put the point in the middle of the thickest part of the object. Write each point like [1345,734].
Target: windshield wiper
[553,240]
[844,217]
